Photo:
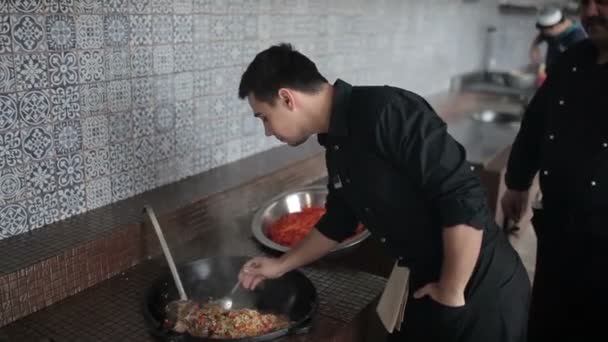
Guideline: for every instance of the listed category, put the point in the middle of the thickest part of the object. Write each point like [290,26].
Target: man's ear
[286,97]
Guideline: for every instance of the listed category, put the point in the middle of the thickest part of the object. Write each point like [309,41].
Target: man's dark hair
[279,66]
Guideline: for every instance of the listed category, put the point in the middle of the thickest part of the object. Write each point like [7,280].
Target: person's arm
[535,52]
[416,139]
[524,157]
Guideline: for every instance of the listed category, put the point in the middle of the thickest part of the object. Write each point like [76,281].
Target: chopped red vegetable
[289,229]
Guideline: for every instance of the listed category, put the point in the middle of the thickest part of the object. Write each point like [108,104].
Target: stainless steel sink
[496,117]
[517,85]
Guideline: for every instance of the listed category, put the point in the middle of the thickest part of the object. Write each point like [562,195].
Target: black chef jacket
[393,166]
[564,137]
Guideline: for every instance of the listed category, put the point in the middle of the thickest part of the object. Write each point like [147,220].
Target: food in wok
[210,320]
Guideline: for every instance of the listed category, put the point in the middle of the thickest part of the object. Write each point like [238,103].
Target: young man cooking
[393,167]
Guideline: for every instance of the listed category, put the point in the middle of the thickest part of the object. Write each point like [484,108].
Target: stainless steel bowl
[292,202]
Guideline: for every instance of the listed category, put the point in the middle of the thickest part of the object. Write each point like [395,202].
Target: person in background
[558,32]
[564,139]
[393,167]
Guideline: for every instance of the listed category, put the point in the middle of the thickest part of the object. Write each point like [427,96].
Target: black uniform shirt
[564,137]
[393,166]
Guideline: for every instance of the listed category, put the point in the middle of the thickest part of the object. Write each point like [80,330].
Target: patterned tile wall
[104,99]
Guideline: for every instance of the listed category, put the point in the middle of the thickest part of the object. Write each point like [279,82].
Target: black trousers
[570,290]
[496,313]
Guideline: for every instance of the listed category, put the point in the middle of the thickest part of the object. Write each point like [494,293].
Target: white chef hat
[549,16]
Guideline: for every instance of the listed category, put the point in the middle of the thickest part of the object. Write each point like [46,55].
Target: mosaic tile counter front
[104,99]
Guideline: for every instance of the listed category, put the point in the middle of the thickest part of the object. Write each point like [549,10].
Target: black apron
[496,307]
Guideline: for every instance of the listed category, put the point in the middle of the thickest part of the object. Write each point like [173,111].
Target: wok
[292,295]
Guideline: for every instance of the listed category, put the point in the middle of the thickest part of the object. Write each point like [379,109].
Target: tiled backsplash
[104,99]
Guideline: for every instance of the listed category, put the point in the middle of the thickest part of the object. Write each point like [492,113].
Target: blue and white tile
[10,149]
[42,210]
[219,131]
[63,69]
[222,27]
[70,170]
[249,125]
[61,32]
[162,6]
[31,71]
[141,61]
[28,33]
[184,114]
[186,140]
[13,185]
[9,118]
[97,163]
[61,6]
[182,6]
[162,29]
[164,89]
[201,108]
[117,30]
[145,151]
[202,159]
[120,126]
[184,58]
[165,147]
[201,82]
[99,193]
[91,66]
[121,157]
[142,91]
[93,99]
[42,177]
[249,145]
[89,6]
[219,155]
[141,29]
[143,121]
[37,143]
[119,95]
[144,178]
[89,31]
[203,56]
[28,6]
[201,24]
[116,6]
[182,31]
[163,59]
[95,131]
[67,137]
[185,166]
[233,149]
[6,41]
[166,172]
[248,6]
[72,201]
[117,64]
[140,6]
[13,220]
[234,128]
[165,117]
[66,103]
[184,86]
[122,186]
[35,107]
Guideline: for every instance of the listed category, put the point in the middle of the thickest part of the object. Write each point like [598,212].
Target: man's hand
[441,295]
[257,269]
[514,204]
[536,55]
